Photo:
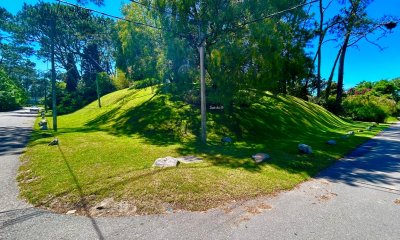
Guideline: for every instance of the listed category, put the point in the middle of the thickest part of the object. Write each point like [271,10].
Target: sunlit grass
[109,152]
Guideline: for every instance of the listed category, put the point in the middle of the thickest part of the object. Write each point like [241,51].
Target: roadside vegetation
[108,152]
[262,79]
[12,96]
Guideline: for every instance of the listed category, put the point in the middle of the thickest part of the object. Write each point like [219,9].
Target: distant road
[354,199]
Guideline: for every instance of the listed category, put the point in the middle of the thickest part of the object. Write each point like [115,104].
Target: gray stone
[43,124]
[304,148]
[105,204]
[166,162]
[350,133]
[54,142]
[189,159]
[331,142]
[227,140]
[260,157]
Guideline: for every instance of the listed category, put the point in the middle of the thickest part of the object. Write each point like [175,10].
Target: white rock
[260,157]
[166,162]
[70,212]
[106,203]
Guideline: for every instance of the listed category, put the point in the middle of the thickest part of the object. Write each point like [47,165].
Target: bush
[146,83]
[119,80]
[369,108]
[11,96]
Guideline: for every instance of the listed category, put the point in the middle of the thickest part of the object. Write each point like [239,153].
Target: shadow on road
[13,139]
[375,164]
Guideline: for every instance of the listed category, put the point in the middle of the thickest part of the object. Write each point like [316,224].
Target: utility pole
[45,94]
[97,90]
[53,73]
[203,93]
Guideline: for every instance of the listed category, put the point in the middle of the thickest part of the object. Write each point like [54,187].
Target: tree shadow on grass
[157,120]
[83,200]
[161,121]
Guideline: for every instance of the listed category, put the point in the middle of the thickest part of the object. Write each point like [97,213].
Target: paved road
[354,199]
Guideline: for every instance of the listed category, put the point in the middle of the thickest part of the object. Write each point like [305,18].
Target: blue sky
[367,62]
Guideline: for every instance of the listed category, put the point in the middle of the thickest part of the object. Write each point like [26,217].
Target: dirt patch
[111,207]
[397,201]
[252,210]
[257,209]
[326,197]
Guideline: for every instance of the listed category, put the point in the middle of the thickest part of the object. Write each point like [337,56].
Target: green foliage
[268,55]
[11,95]
[119,80]
[369,108]
[373,101]
[109,152]
[148,82]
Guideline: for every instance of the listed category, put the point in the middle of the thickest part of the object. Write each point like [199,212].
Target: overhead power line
[277,13]
[112,16]
[150,7]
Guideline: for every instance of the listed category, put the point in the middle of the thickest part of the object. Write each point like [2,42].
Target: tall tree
[72,77]
[353,25]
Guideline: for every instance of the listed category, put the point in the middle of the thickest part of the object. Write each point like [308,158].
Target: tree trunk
[321,37]
[339,94]
[328,87]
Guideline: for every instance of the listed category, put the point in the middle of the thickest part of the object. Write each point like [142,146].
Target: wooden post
[98,90]
[203,94]
[53,74]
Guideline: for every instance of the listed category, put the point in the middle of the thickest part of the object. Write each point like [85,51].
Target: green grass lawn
[109,152]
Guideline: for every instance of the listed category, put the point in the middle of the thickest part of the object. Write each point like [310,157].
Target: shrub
[119,80]
[369,108]
[146,83]
[11,96]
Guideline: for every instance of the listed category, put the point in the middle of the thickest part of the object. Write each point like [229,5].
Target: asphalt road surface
[354,199]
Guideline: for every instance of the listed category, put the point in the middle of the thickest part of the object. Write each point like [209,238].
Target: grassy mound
[108,153]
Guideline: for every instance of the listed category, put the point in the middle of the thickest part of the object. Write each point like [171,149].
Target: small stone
[260,157]
[70,212]
[227,140]
[189,159]
[54,142]
[106,203]
[43,122]
[350,133]
[166,162]
[369,128]
[331,142]
[304,148]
